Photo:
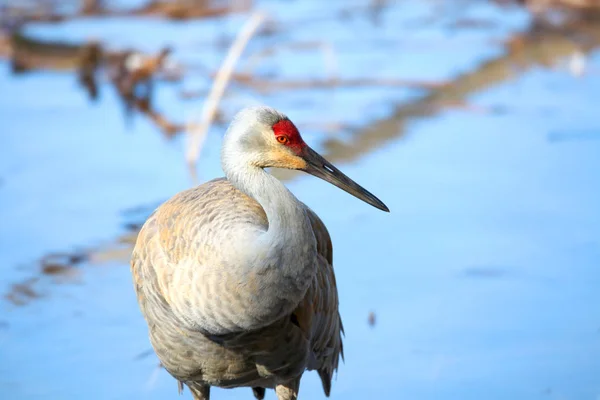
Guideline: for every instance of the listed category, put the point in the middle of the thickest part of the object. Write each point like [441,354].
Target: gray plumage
[222,310]
[178,234]
[235,277]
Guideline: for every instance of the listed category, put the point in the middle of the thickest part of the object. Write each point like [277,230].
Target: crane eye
[282,139]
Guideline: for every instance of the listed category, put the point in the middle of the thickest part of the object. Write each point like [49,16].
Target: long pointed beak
[321,168]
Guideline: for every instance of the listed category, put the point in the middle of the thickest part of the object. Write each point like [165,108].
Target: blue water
[483,278]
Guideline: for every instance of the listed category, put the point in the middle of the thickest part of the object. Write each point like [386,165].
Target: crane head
[268,138]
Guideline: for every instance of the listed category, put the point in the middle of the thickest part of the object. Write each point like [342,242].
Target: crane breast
[214,277]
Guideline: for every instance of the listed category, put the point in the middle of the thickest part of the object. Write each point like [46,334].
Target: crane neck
[284,257]
[286,216]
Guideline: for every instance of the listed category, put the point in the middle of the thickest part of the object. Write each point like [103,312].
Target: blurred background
[475,121]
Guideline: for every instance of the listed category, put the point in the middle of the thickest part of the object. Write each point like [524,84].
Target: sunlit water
[483,278]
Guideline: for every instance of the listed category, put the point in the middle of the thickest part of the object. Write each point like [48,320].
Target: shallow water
[483,278]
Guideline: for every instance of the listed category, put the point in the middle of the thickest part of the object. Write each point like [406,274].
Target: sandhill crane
[235,277]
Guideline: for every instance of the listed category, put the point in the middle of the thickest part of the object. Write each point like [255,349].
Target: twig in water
[197,132]
[151,383]
[144,354]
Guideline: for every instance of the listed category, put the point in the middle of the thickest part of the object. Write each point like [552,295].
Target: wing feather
[318,315]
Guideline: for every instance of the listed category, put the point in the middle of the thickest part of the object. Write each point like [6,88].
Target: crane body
[235,277]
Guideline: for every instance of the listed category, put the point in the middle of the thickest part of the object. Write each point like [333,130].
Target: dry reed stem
[197,132]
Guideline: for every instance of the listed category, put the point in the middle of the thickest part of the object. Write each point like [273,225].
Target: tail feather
[325,380]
